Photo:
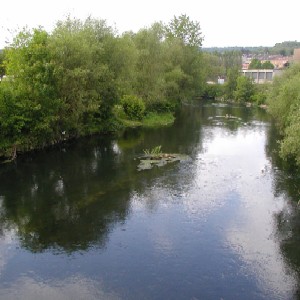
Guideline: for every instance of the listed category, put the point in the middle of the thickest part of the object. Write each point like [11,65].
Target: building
[279,61]
[261,75]
[296,56]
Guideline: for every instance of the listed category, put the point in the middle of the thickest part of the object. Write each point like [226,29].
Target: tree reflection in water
[286,184]
[54,201]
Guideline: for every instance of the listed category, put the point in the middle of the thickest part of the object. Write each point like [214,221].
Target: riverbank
[151,119]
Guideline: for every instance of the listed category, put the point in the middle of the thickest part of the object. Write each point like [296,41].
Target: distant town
[262,75]
[262,64]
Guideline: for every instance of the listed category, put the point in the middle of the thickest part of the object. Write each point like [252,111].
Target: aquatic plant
[156,151]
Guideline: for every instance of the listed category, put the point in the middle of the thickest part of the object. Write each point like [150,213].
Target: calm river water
[80,222]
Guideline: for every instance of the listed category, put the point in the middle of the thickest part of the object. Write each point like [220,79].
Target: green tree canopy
[244,89]
[255,64]
[31,96]
[65,83]
[188,31]
[284,105]
[267,65]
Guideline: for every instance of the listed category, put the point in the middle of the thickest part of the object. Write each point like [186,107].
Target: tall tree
[188,31]
[86,83]
[149,65]
[32,92]
[232,60]
[231,82]
[244,89]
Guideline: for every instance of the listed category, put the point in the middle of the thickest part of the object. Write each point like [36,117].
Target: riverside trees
[284,105]
[65,84]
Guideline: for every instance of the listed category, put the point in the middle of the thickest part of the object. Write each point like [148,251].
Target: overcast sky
[223,22]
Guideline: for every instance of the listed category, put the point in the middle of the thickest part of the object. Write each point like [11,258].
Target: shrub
[133,107]
[244,89]
[160,106]
[213,91]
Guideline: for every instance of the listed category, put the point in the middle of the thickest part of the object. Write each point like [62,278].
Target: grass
[158,119]
[156,151]
[150,120]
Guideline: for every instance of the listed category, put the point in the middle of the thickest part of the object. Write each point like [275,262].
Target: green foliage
[267,65]
[66,84]
[160,106]
[213,65]
[232,60]
[285,48]
[2,66]
[244,89]
[32,91]
[213,91]
[284,104]
[156,151]
[133,107]
[85,81]
[231,83]
[259,98]
[290,146]
[260,94]
[284,95]
[186,30]
[167,70]
[255,64]
[153,119]
[149,69]
[227,65]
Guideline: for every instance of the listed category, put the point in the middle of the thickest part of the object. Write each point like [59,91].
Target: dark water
[80,222]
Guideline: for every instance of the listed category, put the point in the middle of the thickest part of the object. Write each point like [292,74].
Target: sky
[223,22]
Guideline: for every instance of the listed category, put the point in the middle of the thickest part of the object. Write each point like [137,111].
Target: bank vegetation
[83,78]
[284,105]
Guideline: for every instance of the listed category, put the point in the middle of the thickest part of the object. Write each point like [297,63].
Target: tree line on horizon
[285,48]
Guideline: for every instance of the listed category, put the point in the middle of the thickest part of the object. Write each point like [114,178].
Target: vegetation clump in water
[155,157]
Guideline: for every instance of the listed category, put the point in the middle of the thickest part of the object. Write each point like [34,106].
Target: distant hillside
[240,49]
[284,48]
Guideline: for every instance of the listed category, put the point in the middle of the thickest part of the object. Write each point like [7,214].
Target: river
[79,221]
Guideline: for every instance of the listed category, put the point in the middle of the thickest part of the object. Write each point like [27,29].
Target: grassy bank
[151,119]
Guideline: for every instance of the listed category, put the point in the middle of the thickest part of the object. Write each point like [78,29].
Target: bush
[213,91]
[244,89]
[160,106]
[133,107]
